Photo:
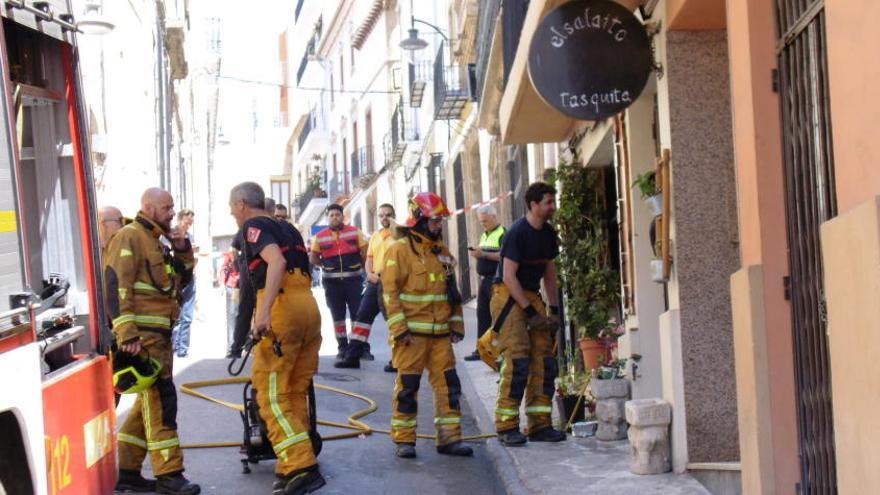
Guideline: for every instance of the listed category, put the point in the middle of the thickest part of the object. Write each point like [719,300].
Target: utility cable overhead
[301,88]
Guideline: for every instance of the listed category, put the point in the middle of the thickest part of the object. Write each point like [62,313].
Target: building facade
[678,322]
[753,113]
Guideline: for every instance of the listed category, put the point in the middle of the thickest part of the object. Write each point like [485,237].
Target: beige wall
[851,281]
[854,72]
[852,289]
[757,149]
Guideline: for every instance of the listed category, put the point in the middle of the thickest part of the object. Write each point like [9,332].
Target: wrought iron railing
[311,124]
[308,195]
[451,89]
[419,76]
[334,188]
[361,162]
[404,129]
[310,51]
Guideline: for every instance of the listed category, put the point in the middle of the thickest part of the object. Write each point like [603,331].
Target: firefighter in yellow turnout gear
[288,327]
[524,330]
[424,323]
[143,278]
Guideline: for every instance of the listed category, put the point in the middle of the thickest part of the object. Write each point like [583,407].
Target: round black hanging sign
[590,59]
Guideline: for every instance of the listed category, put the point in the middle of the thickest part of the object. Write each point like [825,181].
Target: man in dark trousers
[488,254]
[340,250]
[359,347]
[525,330]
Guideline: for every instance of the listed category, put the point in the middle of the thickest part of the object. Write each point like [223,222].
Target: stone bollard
[649,436]
[610,395]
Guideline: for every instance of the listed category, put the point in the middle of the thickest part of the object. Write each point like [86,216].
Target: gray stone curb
[501,459]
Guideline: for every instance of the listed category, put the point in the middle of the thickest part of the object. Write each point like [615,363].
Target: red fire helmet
[427,205]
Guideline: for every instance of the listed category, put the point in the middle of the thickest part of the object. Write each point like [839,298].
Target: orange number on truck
[59,463]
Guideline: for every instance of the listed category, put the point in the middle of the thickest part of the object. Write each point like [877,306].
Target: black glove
[535,320]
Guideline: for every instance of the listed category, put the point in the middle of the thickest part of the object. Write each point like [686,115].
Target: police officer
[524,330]
[287,326]
[360,331]
[143,280]
[424,323]
[487,255]
[340,250]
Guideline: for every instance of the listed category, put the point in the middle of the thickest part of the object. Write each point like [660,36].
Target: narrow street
[663,216]
[365,465]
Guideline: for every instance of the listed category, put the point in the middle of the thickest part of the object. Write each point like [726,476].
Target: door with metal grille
[810,201]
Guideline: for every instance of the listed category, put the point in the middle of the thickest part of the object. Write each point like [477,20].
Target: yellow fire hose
[354,423]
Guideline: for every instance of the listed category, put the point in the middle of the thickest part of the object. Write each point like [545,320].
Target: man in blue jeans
[180,334]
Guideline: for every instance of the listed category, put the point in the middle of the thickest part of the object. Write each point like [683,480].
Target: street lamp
[413,43]
[92,22]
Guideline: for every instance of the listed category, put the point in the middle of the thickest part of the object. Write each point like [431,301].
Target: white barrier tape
[467,209]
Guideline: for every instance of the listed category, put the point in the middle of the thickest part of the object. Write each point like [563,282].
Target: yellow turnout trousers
[528,365]
[435,354]
[151,425]
[282,382]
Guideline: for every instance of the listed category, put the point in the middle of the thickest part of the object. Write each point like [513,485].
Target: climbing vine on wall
[591,285]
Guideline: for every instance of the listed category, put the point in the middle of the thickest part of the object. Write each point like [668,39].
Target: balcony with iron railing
[313,139]
[334,188]
[311,192]
[311,204]
[451,89]
[419,76]
[306,58]
[404,129]
[362,163]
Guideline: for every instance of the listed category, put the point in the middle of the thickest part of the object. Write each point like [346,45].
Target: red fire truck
[57,419]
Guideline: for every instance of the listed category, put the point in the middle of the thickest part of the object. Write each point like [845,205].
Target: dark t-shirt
[532,249]
[259,232]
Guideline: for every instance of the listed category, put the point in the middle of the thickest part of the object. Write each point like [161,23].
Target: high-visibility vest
[490,242]
[340,250]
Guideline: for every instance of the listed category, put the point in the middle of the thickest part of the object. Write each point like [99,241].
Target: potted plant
[647,184]
[571,389]
[591,285]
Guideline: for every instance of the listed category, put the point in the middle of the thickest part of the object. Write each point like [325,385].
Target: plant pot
[657,271]
[655,203]
[569,402]
[593,353]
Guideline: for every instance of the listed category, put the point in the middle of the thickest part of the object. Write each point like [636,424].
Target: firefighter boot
[367,355]
[352,356]
[298,483]
[132,481]
[174,484]
[512,438]
[455,449]
[547,435]
[405,450]
[341,347]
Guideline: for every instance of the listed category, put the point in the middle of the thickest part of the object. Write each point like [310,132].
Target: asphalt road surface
[365,465]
